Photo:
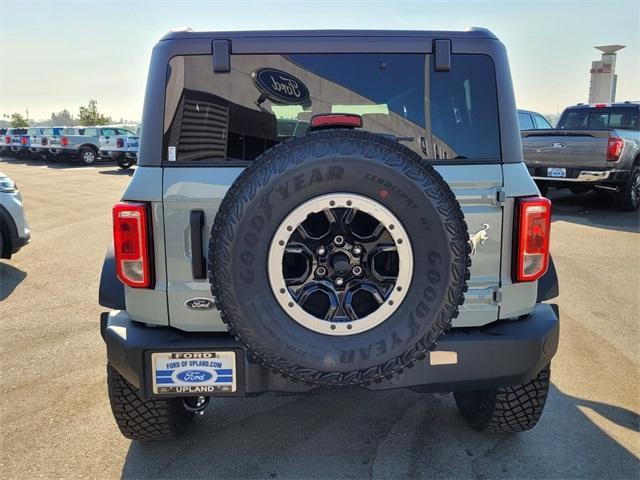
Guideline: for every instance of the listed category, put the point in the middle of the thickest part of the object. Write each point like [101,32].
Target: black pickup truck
[593,146]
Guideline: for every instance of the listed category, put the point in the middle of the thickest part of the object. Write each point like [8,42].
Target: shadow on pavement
[53,164]
[118,172]
[10,278]
[393,434]
[593,209]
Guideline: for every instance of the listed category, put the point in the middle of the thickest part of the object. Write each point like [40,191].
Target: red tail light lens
[64,141]
[614,149]
[119,142]
[7,139]
[534,224]
[336,120]
[131,244]
[23,140]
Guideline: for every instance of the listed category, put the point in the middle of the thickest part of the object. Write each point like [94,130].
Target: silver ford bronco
[329,209]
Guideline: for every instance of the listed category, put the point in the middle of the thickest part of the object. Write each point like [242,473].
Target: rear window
[216,118]
[597,118]
[525,122]
[541,122]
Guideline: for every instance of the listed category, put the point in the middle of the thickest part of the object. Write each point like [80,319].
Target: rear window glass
[464,109]
[541,122]
[266,99]
[524,119]
[625,118]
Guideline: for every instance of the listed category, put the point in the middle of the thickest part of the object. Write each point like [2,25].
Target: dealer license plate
[193,372]
[557,172]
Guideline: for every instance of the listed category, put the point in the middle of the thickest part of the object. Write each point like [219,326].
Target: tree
[89,115]
[18,121]
[62,118]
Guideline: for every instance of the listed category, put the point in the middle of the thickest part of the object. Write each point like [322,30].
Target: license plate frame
[197,372]
[557,172]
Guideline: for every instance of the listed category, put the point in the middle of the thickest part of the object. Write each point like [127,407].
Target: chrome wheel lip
[330,201]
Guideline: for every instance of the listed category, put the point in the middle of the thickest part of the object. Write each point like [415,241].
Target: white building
[602,88]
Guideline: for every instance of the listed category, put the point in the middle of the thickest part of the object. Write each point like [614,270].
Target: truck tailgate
[565,148]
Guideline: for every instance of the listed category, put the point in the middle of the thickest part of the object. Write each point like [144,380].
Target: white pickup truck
[123,148]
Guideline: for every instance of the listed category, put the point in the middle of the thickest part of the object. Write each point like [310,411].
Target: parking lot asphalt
[55,417]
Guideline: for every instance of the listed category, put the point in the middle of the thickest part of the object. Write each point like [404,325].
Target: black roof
[473,32]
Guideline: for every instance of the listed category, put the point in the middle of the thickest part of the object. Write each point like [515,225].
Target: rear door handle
[196,223]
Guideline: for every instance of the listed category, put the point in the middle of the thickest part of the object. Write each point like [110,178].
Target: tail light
[64,141]
[614,148]
[119,142]
[336,120]
[23,140]
[7,139]
[131,244]
[534,224]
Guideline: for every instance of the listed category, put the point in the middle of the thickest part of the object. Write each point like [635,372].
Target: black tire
[506,410]
[87,156]
[340,161]
[143,419]
[124,162]
[627,199]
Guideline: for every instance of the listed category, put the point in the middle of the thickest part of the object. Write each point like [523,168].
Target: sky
[60,54]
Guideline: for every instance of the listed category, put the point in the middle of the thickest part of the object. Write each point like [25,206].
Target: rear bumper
[504,353]
[583,176]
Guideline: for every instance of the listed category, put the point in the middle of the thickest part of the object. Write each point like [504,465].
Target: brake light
[131,244]
[7,139]
[23,140]
[119,143]
[614,148]
[64,141]
[336,120]
[600,105]
[534,224]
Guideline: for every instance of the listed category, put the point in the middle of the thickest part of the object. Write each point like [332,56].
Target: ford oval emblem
[280,87]
[200,303]
[193,376]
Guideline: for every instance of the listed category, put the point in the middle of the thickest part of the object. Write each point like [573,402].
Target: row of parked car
[591,147]
[85,145]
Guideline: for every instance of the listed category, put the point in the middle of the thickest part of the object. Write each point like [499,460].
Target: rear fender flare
[111,291]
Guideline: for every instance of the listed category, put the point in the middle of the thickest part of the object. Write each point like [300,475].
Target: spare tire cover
[292,292]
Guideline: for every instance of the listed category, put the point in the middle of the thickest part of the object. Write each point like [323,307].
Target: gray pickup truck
[592,147]
[394,240]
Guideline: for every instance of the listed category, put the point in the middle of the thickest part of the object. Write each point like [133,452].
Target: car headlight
[7,185]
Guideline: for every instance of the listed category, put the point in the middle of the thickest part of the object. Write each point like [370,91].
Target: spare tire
[339,258]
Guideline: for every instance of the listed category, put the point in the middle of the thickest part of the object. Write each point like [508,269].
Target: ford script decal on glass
[280,87]
[200,303]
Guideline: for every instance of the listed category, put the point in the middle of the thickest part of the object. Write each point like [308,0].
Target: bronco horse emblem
[478,238]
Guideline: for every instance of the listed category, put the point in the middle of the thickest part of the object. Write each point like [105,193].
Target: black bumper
[501,354]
